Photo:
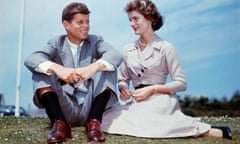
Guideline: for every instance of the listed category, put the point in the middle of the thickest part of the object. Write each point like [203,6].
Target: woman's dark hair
[71,9]
[148,9]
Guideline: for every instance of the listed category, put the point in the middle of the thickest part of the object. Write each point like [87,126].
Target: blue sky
[205,34]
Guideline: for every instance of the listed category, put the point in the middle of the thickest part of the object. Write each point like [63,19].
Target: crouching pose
[75,77]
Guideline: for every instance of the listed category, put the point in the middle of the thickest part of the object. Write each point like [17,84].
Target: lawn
[26,130]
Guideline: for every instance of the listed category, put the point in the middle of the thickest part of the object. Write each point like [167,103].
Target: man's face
[77,28]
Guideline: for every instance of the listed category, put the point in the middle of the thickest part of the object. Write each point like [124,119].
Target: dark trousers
[50,102]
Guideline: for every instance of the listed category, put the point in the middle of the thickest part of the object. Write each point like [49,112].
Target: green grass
[25,130]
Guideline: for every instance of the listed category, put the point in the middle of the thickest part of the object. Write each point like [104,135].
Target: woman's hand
[125,94]
[142,94]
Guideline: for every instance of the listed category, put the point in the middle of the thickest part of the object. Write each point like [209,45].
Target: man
[75,77]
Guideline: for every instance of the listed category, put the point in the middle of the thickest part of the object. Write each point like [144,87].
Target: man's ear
[66,24]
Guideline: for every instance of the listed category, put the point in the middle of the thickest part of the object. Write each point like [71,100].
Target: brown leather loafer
[60,131]
[94,131]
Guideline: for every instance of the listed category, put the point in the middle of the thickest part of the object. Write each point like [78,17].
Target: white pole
[18,83]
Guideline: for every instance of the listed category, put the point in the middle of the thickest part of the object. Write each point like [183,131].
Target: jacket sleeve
[108,53]
[124,76]
[46,53]
[176,72]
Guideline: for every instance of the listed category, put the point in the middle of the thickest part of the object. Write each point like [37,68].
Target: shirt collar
[156,43]
[74,46]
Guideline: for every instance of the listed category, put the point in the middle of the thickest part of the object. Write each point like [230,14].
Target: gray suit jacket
[58,50]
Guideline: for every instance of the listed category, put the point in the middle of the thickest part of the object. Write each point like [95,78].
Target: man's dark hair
[73,8]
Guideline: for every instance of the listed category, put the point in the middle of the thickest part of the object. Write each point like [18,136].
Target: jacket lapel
[84,54]
[66,54]
[150,56]
[149,52]
[133,54]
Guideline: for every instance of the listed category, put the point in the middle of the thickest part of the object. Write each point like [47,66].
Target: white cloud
[201,28]
[196,14]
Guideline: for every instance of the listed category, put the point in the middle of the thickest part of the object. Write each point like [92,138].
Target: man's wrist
[54,68]
[99,66]
[107,65]
[44,66]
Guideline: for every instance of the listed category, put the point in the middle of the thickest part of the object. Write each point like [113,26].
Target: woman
[154,111]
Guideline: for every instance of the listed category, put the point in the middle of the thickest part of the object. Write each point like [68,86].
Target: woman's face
[139,23]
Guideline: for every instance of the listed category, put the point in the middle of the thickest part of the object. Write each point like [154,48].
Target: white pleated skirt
[158,117]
